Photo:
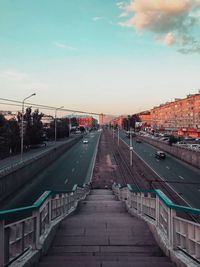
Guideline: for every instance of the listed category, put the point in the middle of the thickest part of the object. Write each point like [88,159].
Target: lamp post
[131,149]
[55,131]
[118,135]
[22,125]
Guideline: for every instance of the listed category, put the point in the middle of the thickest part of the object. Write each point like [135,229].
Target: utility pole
[22,125]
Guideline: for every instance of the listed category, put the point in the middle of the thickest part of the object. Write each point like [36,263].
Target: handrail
[38,203]
[165,199]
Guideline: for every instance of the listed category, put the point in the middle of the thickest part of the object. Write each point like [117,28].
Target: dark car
[160,155]
[138,141]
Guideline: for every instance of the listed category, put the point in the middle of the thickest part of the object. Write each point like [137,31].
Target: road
[73,167]
[184,179]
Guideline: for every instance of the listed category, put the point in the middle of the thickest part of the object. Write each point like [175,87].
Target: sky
[104,56]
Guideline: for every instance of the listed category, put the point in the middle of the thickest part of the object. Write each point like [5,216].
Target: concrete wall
[17,178]
[190,156]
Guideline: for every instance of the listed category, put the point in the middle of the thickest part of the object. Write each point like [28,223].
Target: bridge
[101,223]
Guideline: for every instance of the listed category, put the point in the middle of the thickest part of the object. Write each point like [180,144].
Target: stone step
[100,198]
[101,192]
[105,257]
[90,250]
[105,264]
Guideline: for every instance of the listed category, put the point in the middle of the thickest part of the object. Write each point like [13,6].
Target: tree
[33,133]
[4,140]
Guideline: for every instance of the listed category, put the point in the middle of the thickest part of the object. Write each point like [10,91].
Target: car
[160,154]
[138,141]
[85,141]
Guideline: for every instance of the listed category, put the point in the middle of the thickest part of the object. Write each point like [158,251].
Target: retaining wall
[190,156]
[23,173]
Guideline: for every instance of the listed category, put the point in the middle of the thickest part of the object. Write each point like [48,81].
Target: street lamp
[131,149]
[22,125]
[55,132]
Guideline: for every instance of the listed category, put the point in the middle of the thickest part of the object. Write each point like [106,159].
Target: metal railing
[178,233]
[29,233]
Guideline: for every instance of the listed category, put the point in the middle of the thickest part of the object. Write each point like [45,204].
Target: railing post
[50,210]
[2,248]
[157,210]
[141,204]
[36,214]
[172,228]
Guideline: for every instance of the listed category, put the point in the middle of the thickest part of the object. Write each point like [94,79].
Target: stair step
[105,264]
[101,197]
[102,234]
[101,192]
[104,257]
[125,250]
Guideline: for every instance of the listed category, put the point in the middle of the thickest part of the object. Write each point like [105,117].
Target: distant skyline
[113,57]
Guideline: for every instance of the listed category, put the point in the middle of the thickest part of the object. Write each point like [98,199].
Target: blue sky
[96,55]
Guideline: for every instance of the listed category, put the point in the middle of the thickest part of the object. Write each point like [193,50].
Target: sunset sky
[115,57]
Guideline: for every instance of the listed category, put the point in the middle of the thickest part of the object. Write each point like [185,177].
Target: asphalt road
[73,167]
[184,179]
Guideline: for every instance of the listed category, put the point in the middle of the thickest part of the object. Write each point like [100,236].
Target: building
[46,121]
[85,121]
[145,119]
[181,117]
[106,119]
[9,115]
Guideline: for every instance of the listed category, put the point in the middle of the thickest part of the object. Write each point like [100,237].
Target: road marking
[167,167]
[181,177]
[73,169]
[66,181]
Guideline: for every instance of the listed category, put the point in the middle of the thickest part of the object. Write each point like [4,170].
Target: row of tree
[33,131]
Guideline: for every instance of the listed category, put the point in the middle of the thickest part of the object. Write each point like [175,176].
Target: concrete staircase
[102,234]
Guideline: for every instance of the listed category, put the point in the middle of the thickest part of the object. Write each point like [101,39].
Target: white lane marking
[66,181]
[182,178]
[73,169]
[167,167]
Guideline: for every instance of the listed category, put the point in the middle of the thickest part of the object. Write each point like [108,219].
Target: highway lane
[73,167]
[178,174]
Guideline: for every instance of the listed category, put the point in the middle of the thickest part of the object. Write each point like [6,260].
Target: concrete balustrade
[29,234]
[152,205]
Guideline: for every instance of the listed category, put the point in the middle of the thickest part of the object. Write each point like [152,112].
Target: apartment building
[181,116]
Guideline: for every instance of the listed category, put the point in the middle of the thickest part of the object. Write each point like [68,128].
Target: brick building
[181,116]
[86,121]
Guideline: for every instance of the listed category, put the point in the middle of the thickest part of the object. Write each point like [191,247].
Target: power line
[49,107]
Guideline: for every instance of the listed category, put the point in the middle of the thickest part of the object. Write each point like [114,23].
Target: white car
[85,141]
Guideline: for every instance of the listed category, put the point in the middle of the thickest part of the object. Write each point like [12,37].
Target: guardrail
[29,233]
[177,232]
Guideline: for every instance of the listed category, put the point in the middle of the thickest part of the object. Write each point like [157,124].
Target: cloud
[13,75]
[169,39]
[97,18]
[172,21]
[65,46]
